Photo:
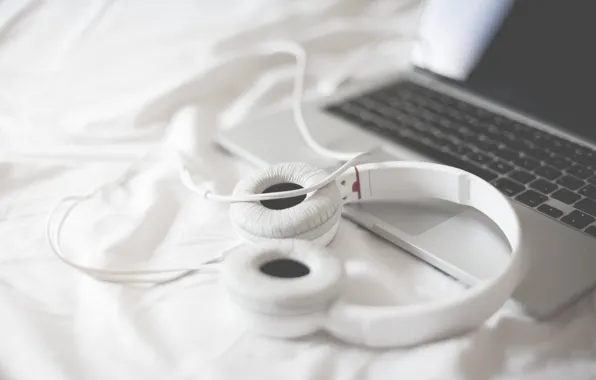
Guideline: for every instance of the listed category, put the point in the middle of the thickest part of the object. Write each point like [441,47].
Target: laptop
[506,93]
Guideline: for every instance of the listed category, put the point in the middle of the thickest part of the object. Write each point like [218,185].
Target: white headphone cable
[351,158]
[299,53]
[206,193]
[103,274]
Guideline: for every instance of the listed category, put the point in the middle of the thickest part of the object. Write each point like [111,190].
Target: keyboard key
[570,182]
[548,172]
[446,124]
[581,150]
[437,140]
[455,114]
[463,150]
[482,114]
[485,174]
[500,120]
[588,158]
[588,191]
[491,130]
[527,163]
[509,187]
[522,176]
[466,134]
[550,210]
[536,152]
[544,186]
[592,180]
[577,219]
[531,198]
[516,144]
[500,167]
[479,157]
[487,145]
[591,230]
[558,162]
[510,137]
[560,147]
[448,146]
[565,196]
[506,154]
[448,159]
[580,171]
[586,205]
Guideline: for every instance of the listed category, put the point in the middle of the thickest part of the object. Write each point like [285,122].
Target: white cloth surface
[87,89]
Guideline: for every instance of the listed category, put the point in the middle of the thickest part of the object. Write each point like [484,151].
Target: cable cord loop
[155,276]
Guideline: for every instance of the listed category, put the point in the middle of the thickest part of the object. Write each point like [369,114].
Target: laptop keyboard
[551,175]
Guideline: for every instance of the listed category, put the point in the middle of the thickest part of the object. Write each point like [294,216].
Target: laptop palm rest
[459,241]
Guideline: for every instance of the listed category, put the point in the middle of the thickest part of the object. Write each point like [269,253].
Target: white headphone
[287,285]
[285,282]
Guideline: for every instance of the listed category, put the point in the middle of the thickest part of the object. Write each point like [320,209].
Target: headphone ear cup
[315,218]
[283,288]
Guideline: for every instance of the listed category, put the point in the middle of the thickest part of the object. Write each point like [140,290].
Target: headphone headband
[406,325]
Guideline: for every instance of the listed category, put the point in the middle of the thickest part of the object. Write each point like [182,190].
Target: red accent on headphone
[356,185]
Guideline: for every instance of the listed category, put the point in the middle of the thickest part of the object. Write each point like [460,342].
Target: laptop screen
[536,56]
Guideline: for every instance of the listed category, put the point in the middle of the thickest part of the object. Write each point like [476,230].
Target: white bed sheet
[87,89]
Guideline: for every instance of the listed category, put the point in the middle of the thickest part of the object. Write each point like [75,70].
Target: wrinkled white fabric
[88,88]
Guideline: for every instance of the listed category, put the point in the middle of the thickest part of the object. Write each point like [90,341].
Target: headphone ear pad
[316,218]
[283,288]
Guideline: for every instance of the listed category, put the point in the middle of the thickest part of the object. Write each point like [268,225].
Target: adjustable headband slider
[464,189]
